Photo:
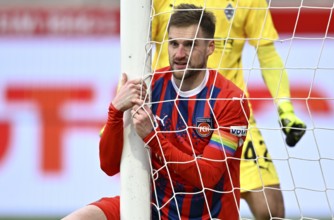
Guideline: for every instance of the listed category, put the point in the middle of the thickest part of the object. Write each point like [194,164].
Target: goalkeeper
[196,144]
[238,21]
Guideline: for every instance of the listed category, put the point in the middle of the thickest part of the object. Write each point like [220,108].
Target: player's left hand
[143,120]
[293,127]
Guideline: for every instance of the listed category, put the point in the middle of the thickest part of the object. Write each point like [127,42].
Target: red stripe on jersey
[162,95]
[175,113]
[191,108]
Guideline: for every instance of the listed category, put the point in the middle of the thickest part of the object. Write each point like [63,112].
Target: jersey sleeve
[233,124]
[111,142]
[259,25]
[184,164]
[273,72]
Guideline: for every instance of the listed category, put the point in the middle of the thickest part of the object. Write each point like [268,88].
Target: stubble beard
[188,74]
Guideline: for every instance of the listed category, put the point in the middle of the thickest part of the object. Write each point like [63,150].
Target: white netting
[306,48]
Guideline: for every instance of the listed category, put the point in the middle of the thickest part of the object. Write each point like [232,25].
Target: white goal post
[135,168]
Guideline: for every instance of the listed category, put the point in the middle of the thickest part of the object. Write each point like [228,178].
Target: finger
[143,85]
[137,102]
[141,113]
[143,96]
[135,108]
[135,113]
[136,81]
[145,113]
[124,79]
[141,90]
[138,90]
[140,84]
[147,109]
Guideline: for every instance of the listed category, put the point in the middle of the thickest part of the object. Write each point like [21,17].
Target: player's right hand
[293,127]
[130,93]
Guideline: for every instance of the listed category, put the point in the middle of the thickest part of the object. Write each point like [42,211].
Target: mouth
[180,65]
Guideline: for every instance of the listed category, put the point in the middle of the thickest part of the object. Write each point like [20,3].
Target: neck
[191,81]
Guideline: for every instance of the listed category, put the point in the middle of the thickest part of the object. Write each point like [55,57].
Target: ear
[211,47]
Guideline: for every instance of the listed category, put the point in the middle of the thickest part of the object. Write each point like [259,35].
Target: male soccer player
[203,125]
[237,22]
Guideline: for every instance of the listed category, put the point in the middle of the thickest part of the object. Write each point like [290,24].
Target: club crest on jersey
[229,11]
[238,131]
[204,126]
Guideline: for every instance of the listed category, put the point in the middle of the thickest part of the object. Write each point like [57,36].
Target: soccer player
[203,125]
[237,22]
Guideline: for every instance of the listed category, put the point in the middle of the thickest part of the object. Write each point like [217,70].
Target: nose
[180,52]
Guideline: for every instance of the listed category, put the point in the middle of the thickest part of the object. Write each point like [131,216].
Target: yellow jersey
[237,21]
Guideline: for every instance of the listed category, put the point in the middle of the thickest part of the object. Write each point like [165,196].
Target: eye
[189,44]
[173,43]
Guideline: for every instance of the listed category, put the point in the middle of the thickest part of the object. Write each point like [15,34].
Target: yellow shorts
[256,168]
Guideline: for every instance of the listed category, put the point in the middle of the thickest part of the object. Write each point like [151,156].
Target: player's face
[188,55]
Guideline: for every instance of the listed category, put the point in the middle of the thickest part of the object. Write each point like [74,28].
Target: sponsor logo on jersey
[161,120]
[238,131]
[204,126]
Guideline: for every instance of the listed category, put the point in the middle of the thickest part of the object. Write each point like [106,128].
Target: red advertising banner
[47,21]
[303,20]
[59,21]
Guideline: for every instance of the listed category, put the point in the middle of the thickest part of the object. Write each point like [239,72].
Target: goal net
[305,45]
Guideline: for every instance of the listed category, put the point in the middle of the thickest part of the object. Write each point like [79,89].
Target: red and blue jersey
[196,147]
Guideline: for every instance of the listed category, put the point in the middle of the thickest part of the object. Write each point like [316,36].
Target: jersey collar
[194,91]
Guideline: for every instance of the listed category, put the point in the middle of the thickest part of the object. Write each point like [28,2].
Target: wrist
[114,112]
[151,140]
[285,107]
[116,106]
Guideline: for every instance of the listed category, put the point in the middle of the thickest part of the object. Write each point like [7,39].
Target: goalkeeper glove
[292,126]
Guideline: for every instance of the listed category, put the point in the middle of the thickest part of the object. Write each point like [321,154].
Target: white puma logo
[161,120]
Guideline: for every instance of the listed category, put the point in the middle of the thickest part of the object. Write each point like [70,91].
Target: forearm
[184,165]
[111,142]
[274,73]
